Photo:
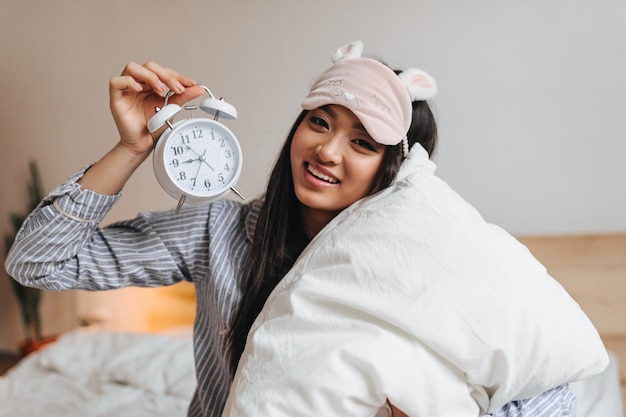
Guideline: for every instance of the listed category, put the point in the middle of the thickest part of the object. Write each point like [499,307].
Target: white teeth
[322,176]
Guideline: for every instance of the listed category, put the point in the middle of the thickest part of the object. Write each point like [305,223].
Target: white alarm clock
[196,160]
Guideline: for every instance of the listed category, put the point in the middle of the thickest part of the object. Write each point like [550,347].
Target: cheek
[366,174]
[295,159]
[296,155]
[373,175]
[297,143]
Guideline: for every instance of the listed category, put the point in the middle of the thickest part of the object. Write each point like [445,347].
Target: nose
[330,149]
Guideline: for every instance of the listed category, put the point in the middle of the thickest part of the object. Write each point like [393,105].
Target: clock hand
[199,166]
[203,159]
[191,149]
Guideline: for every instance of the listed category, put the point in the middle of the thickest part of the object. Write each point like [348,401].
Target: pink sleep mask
[372,91]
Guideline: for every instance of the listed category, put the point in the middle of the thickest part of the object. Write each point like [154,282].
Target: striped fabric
[60,246]
[557,402]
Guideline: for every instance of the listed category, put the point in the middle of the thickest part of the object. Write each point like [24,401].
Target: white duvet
[102,374]
[409,295]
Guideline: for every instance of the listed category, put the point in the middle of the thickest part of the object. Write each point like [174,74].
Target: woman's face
[334,163]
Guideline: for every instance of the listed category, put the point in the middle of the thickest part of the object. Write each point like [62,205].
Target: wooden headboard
[592,268]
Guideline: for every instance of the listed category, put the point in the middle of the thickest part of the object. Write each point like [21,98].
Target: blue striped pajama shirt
[61,246]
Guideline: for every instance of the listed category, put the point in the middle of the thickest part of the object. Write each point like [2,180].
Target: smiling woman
[236,254]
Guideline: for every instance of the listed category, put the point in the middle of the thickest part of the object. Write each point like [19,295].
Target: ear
[351,50]
[420,84]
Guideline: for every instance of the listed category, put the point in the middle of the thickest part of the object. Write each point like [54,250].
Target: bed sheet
[87,373]
[601,395]
[114,374]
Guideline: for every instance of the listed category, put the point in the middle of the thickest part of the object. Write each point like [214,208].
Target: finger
[145,75]
[124,83]
[188,94]
[119,86]
[175,81]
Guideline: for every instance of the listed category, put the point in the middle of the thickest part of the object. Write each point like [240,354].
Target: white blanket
[409,295]
[87,373]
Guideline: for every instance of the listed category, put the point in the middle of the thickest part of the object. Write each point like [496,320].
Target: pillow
[409,295]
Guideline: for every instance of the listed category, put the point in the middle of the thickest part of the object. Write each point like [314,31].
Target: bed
[103,372]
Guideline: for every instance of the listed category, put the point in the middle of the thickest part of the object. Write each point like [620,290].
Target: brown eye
[319,121]
[364,144]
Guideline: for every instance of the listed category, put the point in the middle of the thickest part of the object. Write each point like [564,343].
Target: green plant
[29,299]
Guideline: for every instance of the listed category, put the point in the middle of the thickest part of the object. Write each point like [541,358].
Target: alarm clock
[196,160]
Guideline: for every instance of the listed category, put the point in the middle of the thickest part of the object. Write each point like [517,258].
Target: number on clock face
[201,158]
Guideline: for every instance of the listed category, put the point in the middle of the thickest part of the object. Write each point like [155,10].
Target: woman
[338,151]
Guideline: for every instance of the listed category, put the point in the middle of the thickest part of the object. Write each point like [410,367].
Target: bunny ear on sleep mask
[351,50]
[421,85]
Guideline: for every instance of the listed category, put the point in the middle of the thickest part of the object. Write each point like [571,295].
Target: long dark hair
[280,237]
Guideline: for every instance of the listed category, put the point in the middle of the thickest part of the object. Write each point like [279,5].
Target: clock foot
[234,190]
[180,203]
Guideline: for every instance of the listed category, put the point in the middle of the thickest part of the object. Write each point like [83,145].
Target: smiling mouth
[320,175]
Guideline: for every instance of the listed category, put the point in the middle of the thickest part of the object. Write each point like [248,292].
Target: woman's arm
[61,246]
[60,241]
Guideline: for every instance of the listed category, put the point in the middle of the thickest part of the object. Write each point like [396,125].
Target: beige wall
[531,102]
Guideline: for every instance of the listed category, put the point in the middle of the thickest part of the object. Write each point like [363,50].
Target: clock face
[202,157]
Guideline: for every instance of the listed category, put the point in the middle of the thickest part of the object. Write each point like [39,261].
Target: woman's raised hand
[133,98]
[135,94]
